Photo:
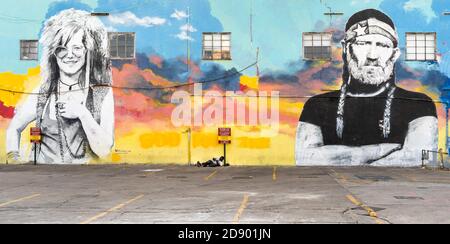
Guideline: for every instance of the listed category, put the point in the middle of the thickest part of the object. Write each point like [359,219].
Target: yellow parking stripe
[370,211]
[116,208]
[211,175]
[19,200]
[241,209]
[340,177]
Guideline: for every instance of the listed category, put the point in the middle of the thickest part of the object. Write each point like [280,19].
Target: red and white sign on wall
[35,135]
[224,135]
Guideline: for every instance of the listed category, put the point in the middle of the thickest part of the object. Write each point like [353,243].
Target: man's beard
[370,74]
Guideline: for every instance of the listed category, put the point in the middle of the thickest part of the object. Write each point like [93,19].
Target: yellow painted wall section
[21,83]
[144,145]
[254,143]
[249,82]
[160,139]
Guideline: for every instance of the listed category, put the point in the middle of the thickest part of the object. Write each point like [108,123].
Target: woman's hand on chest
[72,107]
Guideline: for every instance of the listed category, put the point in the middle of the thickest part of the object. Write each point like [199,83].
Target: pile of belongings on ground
[214,162]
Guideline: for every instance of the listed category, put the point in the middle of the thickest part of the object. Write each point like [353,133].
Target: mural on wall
[74,107]
[134,123]
[369,120]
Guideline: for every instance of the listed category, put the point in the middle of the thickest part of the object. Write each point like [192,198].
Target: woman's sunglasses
[77,51]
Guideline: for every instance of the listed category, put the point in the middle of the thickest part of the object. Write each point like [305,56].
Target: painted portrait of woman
[74,105]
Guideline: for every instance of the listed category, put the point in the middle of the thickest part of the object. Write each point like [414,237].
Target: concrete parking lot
[260,195]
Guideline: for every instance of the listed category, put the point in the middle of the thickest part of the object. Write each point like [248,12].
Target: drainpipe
[446,124]
[189,146]
[446,128]
[446,103]
[189,139]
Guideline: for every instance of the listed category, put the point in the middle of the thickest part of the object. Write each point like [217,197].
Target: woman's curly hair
[58,30]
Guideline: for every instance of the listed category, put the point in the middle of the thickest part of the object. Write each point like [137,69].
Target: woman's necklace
[63,138]
[70,86]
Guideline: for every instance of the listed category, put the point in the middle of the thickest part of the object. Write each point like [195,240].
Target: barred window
[317,46]
[122,45]
[216,46]
[420,46]
[28,50]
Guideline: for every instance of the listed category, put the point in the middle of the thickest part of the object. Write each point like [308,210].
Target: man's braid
[386,116]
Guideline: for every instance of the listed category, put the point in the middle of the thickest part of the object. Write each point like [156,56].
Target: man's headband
[371,26]
[370,21]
